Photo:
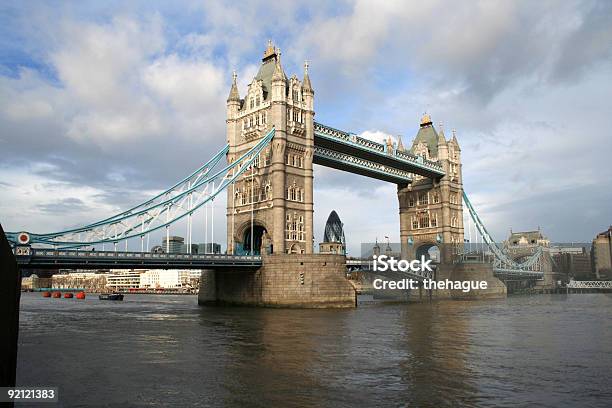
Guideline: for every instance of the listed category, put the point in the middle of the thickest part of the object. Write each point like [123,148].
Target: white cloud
[132,102]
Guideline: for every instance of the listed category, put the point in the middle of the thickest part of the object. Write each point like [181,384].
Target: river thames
[547,350]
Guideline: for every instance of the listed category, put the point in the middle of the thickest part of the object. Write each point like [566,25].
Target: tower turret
[279,79]
[307,90]
[233,100]
[442,145]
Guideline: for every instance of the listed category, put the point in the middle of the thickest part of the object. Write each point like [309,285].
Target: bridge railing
[363,163]
[42,252]
[574,284]
[379,148]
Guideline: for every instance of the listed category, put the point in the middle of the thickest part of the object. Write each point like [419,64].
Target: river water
[166,351]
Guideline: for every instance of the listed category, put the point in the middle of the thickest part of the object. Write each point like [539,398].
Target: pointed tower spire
[454,140]
[441,137]
[234,96]
[279,74]
[306,85]
[400,145]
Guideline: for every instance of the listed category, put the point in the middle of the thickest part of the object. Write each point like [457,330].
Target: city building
[527,238]
[123,279]
[209,248]
[601,254]
[334,241]
[173,244]
[169,279]
[90,281]
[185,249]
[572,262]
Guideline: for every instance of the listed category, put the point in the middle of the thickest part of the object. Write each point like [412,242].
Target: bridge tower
[272,203]
[431,210]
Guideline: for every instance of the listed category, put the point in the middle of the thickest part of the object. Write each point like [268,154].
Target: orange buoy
[46,294]
[80,295]
[57,295]
[68,295]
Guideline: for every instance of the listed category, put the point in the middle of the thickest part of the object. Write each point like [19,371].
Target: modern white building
[168,278]
[124,279]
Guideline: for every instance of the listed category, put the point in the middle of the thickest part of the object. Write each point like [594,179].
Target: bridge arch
[430,250]
[243,234]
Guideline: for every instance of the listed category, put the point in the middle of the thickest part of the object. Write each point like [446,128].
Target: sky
[104,104]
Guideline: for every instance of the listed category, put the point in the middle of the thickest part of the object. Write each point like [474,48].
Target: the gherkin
[333,229]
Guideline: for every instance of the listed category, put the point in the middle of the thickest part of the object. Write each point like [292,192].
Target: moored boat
[110,296]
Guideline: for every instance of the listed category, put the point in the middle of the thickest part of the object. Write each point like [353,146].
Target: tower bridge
[272,144]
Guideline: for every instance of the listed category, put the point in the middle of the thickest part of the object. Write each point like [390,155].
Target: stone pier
[470,272]
[284,280]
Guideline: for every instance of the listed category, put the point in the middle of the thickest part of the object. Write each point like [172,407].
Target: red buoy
[57,295]
[46,294]
[68,295]
[80,295]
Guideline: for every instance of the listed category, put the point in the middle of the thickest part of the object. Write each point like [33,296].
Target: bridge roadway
[40,258]
[67,259]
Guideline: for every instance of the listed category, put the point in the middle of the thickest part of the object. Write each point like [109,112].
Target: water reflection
[167,351]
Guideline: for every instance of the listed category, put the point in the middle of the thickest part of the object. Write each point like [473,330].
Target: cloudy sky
[103,105]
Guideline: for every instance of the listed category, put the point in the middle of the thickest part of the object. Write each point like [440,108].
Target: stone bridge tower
[272,203]
[431,211]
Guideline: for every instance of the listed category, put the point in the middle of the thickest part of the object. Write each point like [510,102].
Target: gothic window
[424,220]
[301,228]
[411,200]
[295,193]
[296,115]
[295,95]
[415,223]
[434,220]
[252,103]
[436,198]
[257,101]
[264,118]
[423,199]
[257,120]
